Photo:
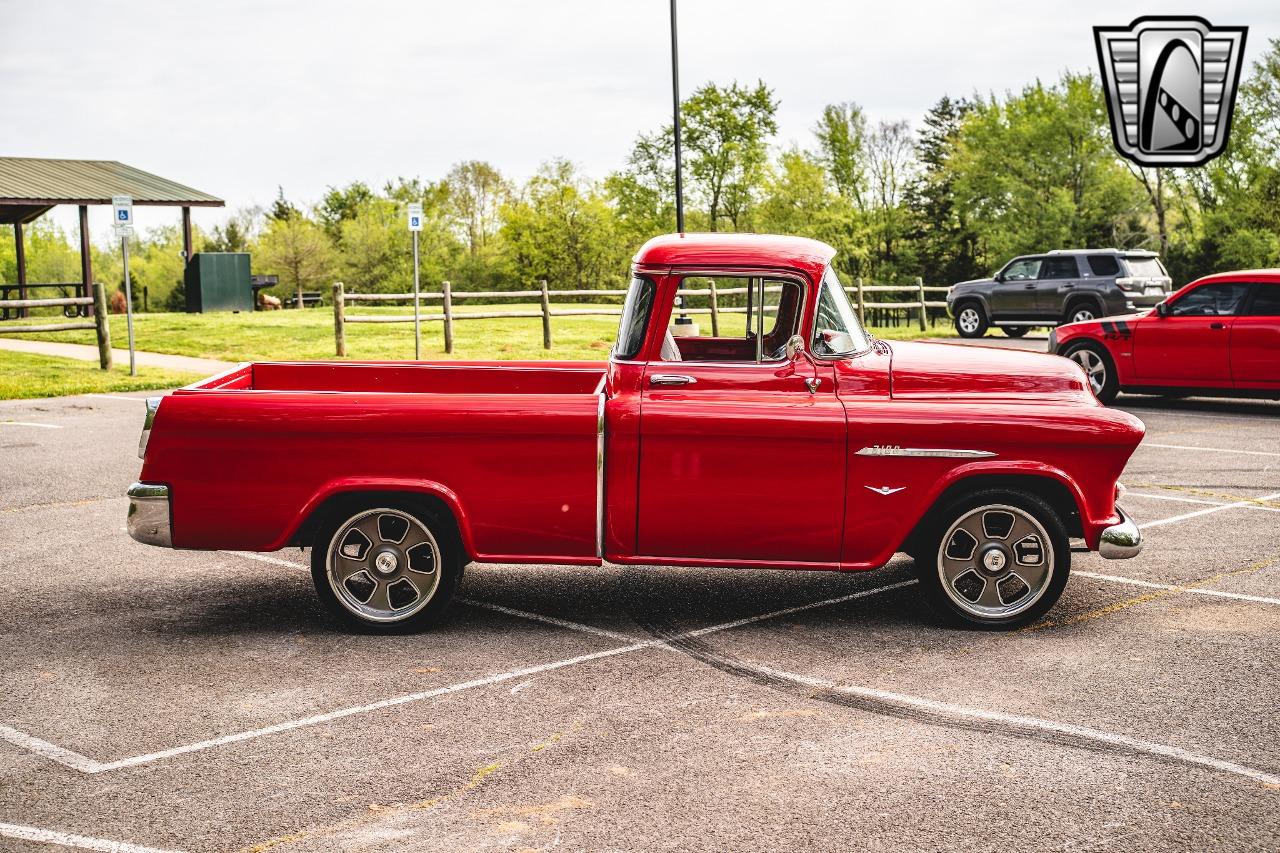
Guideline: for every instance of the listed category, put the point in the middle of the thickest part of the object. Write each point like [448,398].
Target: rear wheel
[388,568]
[1098,367]
[1081,312]
[1015,331]
[995,559]
[970,321]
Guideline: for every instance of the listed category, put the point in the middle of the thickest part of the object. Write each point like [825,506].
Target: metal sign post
[123,210]
[415,225]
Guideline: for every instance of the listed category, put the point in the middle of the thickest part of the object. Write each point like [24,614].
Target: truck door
[1059,278]
[1013,296]
[743,460]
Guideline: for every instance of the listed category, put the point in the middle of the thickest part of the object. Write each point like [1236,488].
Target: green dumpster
[218,281]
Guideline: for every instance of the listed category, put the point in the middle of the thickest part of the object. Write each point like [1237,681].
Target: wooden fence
[447,316]
[99,322]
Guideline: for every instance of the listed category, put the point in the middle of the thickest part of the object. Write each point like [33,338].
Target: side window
[724,318]
[1266,302]
[635,318]
[1210,300]
[1022,270]
[1059,268]
[1104,265]
[836,330]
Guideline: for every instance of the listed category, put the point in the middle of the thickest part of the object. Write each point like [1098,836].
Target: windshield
[836,330]
[1146,267]
[635,318]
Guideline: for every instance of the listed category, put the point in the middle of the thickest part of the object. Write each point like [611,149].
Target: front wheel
[994,559]
[387,568]
[970,321]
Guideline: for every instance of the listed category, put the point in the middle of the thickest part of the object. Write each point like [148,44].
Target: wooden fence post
[339,318]
[920,290]
[715,311]
[546,316]
[101,326]
[862,304]
[448,316]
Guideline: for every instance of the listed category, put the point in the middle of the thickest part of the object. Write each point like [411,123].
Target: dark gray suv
[1058,287]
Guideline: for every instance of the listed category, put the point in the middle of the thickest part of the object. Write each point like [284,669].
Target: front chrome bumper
[1120,541]
[148,520]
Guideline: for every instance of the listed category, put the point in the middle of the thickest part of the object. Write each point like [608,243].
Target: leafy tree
[281,208]
[341,205]
[841,134]
[945,240]
[476,192]
[297,250]
[727,132]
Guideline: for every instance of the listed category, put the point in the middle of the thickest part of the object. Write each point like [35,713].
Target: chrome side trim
[892,450]
[148,518]
[153,405]
[1120,541]
[600,477]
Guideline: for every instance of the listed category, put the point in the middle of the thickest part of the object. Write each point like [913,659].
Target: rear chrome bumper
[1120,541]
[148,520]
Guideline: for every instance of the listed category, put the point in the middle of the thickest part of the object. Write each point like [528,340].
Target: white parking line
[66,839]
[85,764]
[1015,721]
[1132,494]
[116,397]
[29,424]
[1197,513]
[1209,449]
[1194,590]
[265,558]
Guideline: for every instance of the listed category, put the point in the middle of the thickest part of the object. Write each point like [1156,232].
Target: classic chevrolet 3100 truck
[795,441]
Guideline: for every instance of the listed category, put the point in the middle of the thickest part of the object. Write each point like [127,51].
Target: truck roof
[727,250]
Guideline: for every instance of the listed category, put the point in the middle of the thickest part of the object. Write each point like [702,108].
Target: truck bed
[397,377]
[511,447]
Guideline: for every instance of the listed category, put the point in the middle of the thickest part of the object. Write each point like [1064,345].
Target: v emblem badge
[885,490]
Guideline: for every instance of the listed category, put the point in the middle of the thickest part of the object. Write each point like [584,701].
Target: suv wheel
[970,321]
[1098,367]
[996,559]
[1080,312]
[1015,331]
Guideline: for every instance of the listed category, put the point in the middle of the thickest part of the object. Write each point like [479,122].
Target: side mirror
[998,276]
[1162,309]
[795,347]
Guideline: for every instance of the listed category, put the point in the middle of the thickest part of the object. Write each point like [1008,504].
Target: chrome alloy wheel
[1094,367]
[383,565]
[1083,315]
[995,561]
[969,320]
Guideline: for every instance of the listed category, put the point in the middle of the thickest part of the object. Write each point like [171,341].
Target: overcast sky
[235,98]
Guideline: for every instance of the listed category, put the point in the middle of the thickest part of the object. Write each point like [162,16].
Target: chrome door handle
[671,379]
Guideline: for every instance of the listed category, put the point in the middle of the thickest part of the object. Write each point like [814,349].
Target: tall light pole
[675,108]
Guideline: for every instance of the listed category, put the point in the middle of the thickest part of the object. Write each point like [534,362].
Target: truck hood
[933,371]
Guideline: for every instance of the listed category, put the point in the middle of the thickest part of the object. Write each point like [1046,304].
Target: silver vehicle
[1062,286]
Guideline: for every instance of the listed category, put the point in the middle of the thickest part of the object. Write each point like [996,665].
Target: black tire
[447,559]
[931,567]
[1081,311]
[970,320]
[1099,369]
[1015,331]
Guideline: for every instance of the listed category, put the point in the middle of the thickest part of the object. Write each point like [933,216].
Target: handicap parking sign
[415,217]
[123,205]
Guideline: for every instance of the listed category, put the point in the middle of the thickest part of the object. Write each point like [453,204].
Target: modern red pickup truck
[795,441]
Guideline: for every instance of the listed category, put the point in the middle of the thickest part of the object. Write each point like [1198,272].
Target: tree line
[981,179]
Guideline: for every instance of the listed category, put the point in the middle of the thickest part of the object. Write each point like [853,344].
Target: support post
[862,302]
[145,309]
[417,304]
[920,291]
[448,316]
[715,311]
[86,261]
[20,249]
[186,236]
[546,316]
[101,326]
[339,319]
[128,304]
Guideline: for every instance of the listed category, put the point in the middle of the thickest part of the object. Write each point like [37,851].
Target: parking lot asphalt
[167,700]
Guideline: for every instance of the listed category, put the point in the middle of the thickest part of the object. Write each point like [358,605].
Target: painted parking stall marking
[77,842]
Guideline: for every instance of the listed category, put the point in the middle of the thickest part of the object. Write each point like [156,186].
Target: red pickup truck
[793,441]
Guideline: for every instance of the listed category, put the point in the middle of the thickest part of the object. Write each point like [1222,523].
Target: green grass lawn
[308,334]
[25,376]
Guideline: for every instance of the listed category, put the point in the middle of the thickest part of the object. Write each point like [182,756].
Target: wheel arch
[1051,485]
[1076,298]
[349,495]
[979,299]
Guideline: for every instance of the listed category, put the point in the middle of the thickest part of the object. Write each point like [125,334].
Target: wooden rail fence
[447,316]
[99,322]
